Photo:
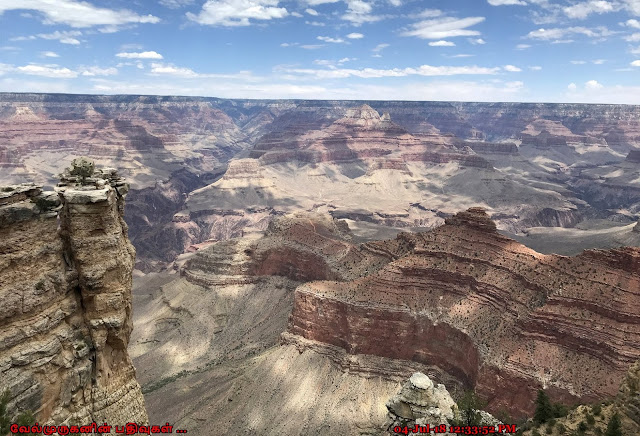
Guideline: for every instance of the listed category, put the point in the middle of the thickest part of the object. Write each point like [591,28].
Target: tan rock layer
[66,298]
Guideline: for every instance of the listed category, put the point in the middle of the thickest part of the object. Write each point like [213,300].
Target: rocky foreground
[65,293]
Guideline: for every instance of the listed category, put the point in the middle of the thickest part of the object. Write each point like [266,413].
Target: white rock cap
[421,381]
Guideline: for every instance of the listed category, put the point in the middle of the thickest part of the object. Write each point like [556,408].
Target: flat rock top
[421,381]
[72,195]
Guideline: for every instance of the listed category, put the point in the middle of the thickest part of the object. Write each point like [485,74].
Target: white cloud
[632,6]
[522,46]
[332,64]
[446,27]
[355,36]
[535,68]
[378,48]
[49,54]
[320,2]
[173,71]
[462,56]
[311,46]
[367,73]
[331,40]
[175,4]
[635,63]
[512,68]
[314,23]
[427,13]
[296,14]
[598,61]
[593,84]
[311,12]
[77,13]
[506,2]
[97,71]
[572,87]
[635,50]
[561,32]
[633,37]
[584,9]
[48,71]
[158,69]
[140,55]
[23,38]
[442,43]
[66,37]
[395,2]
[578,62]
[359,12]
[477,41]
[237,12]
[632,23]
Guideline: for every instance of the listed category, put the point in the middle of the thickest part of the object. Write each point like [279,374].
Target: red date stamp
[456,429]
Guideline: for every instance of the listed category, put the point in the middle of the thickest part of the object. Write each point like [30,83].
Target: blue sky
[464,50]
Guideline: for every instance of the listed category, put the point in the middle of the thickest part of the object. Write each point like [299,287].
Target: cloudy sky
[465,50]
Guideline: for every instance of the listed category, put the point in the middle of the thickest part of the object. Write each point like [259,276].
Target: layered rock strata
[496,315]
[66,267]
[361,134]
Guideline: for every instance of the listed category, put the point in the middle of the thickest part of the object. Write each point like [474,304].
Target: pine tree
[614,428]
[469,406]
[544,410]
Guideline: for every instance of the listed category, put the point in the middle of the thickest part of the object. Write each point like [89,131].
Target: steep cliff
[494,314]
[65,291]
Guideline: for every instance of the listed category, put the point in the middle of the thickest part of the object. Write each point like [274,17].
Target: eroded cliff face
[65,290]
[497,316]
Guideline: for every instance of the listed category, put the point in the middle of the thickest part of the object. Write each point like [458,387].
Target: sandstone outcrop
[421,403]
[65,291]
[496,315]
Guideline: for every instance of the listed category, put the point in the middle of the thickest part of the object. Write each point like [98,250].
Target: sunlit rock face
[66,296]
[496,315]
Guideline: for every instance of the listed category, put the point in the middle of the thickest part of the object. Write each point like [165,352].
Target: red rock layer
[499,316]
[361,135]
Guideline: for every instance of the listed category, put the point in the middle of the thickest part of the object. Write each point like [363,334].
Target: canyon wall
[65,290]
[497,316]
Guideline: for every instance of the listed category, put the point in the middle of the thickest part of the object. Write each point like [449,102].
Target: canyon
[297,261]
[462,303]
[530,165]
